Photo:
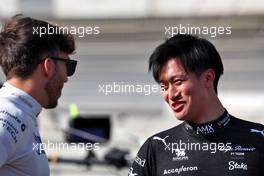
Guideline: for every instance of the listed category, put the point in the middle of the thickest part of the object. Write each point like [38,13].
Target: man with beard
[36,68]
[210,141]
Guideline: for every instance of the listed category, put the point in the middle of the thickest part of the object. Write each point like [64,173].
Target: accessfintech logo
[180,170]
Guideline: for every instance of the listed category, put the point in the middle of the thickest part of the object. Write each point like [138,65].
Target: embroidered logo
[257,131]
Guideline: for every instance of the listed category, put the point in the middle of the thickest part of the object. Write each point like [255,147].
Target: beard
[53,89]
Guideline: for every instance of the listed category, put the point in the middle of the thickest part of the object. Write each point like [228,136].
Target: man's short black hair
[195,54]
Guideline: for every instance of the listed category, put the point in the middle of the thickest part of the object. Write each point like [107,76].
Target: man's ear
[48,67]
[209,77]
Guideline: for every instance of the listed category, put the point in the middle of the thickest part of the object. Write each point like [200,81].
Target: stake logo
[234,165]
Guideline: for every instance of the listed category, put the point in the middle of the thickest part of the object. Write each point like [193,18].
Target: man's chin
[51,105]
[180,116]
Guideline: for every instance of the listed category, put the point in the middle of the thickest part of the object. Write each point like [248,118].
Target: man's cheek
[188,92]
[164,95]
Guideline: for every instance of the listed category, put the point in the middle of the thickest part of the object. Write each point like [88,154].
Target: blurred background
[120,36]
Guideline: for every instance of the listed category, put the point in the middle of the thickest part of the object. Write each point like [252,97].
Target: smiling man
[210,141]
[36,69]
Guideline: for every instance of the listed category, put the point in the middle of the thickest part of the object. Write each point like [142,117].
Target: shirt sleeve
[3,150]
[143,164]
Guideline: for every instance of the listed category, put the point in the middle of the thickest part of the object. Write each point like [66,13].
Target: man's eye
[163,87]
[178,82]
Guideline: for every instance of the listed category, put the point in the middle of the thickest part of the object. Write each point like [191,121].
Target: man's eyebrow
[178,76]
[182,76]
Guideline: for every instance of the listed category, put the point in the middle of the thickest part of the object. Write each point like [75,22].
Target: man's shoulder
[9,109]
[6,100]
[174,131]
[246,129]
[246,124]
[12,121]
[157,141]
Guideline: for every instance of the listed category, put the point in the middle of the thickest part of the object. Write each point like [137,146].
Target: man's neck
[27,86]
[211,112]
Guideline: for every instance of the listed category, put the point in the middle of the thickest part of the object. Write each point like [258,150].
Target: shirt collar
[27,101]
[209,128]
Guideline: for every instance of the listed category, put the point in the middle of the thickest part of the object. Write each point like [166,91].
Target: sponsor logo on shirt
[257,131]
[237,166]
[224,121]
[161,139]
[206,129]
[180,155]
[237,155]
[180,170]
[23,127]
[130,173]
[10,128]
[37,145]
[166,145]
[239,148]
[140,161]
[10,115]
[238,152]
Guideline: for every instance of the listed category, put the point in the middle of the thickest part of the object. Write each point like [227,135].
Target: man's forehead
[172,68]
[174,63]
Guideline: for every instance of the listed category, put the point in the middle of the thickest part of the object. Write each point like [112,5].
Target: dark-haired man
[36,69]
[210,141]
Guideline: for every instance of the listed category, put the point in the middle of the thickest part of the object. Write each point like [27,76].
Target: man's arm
[9,136]
[3,148]
[143,164]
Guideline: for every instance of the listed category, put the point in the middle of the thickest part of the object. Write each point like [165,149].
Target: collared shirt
[225,146]
[21,151]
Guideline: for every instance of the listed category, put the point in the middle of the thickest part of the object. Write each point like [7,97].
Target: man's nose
[173,92]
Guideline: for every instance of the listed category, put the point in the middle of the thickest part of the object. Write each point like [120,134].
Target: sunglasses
[70,64]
